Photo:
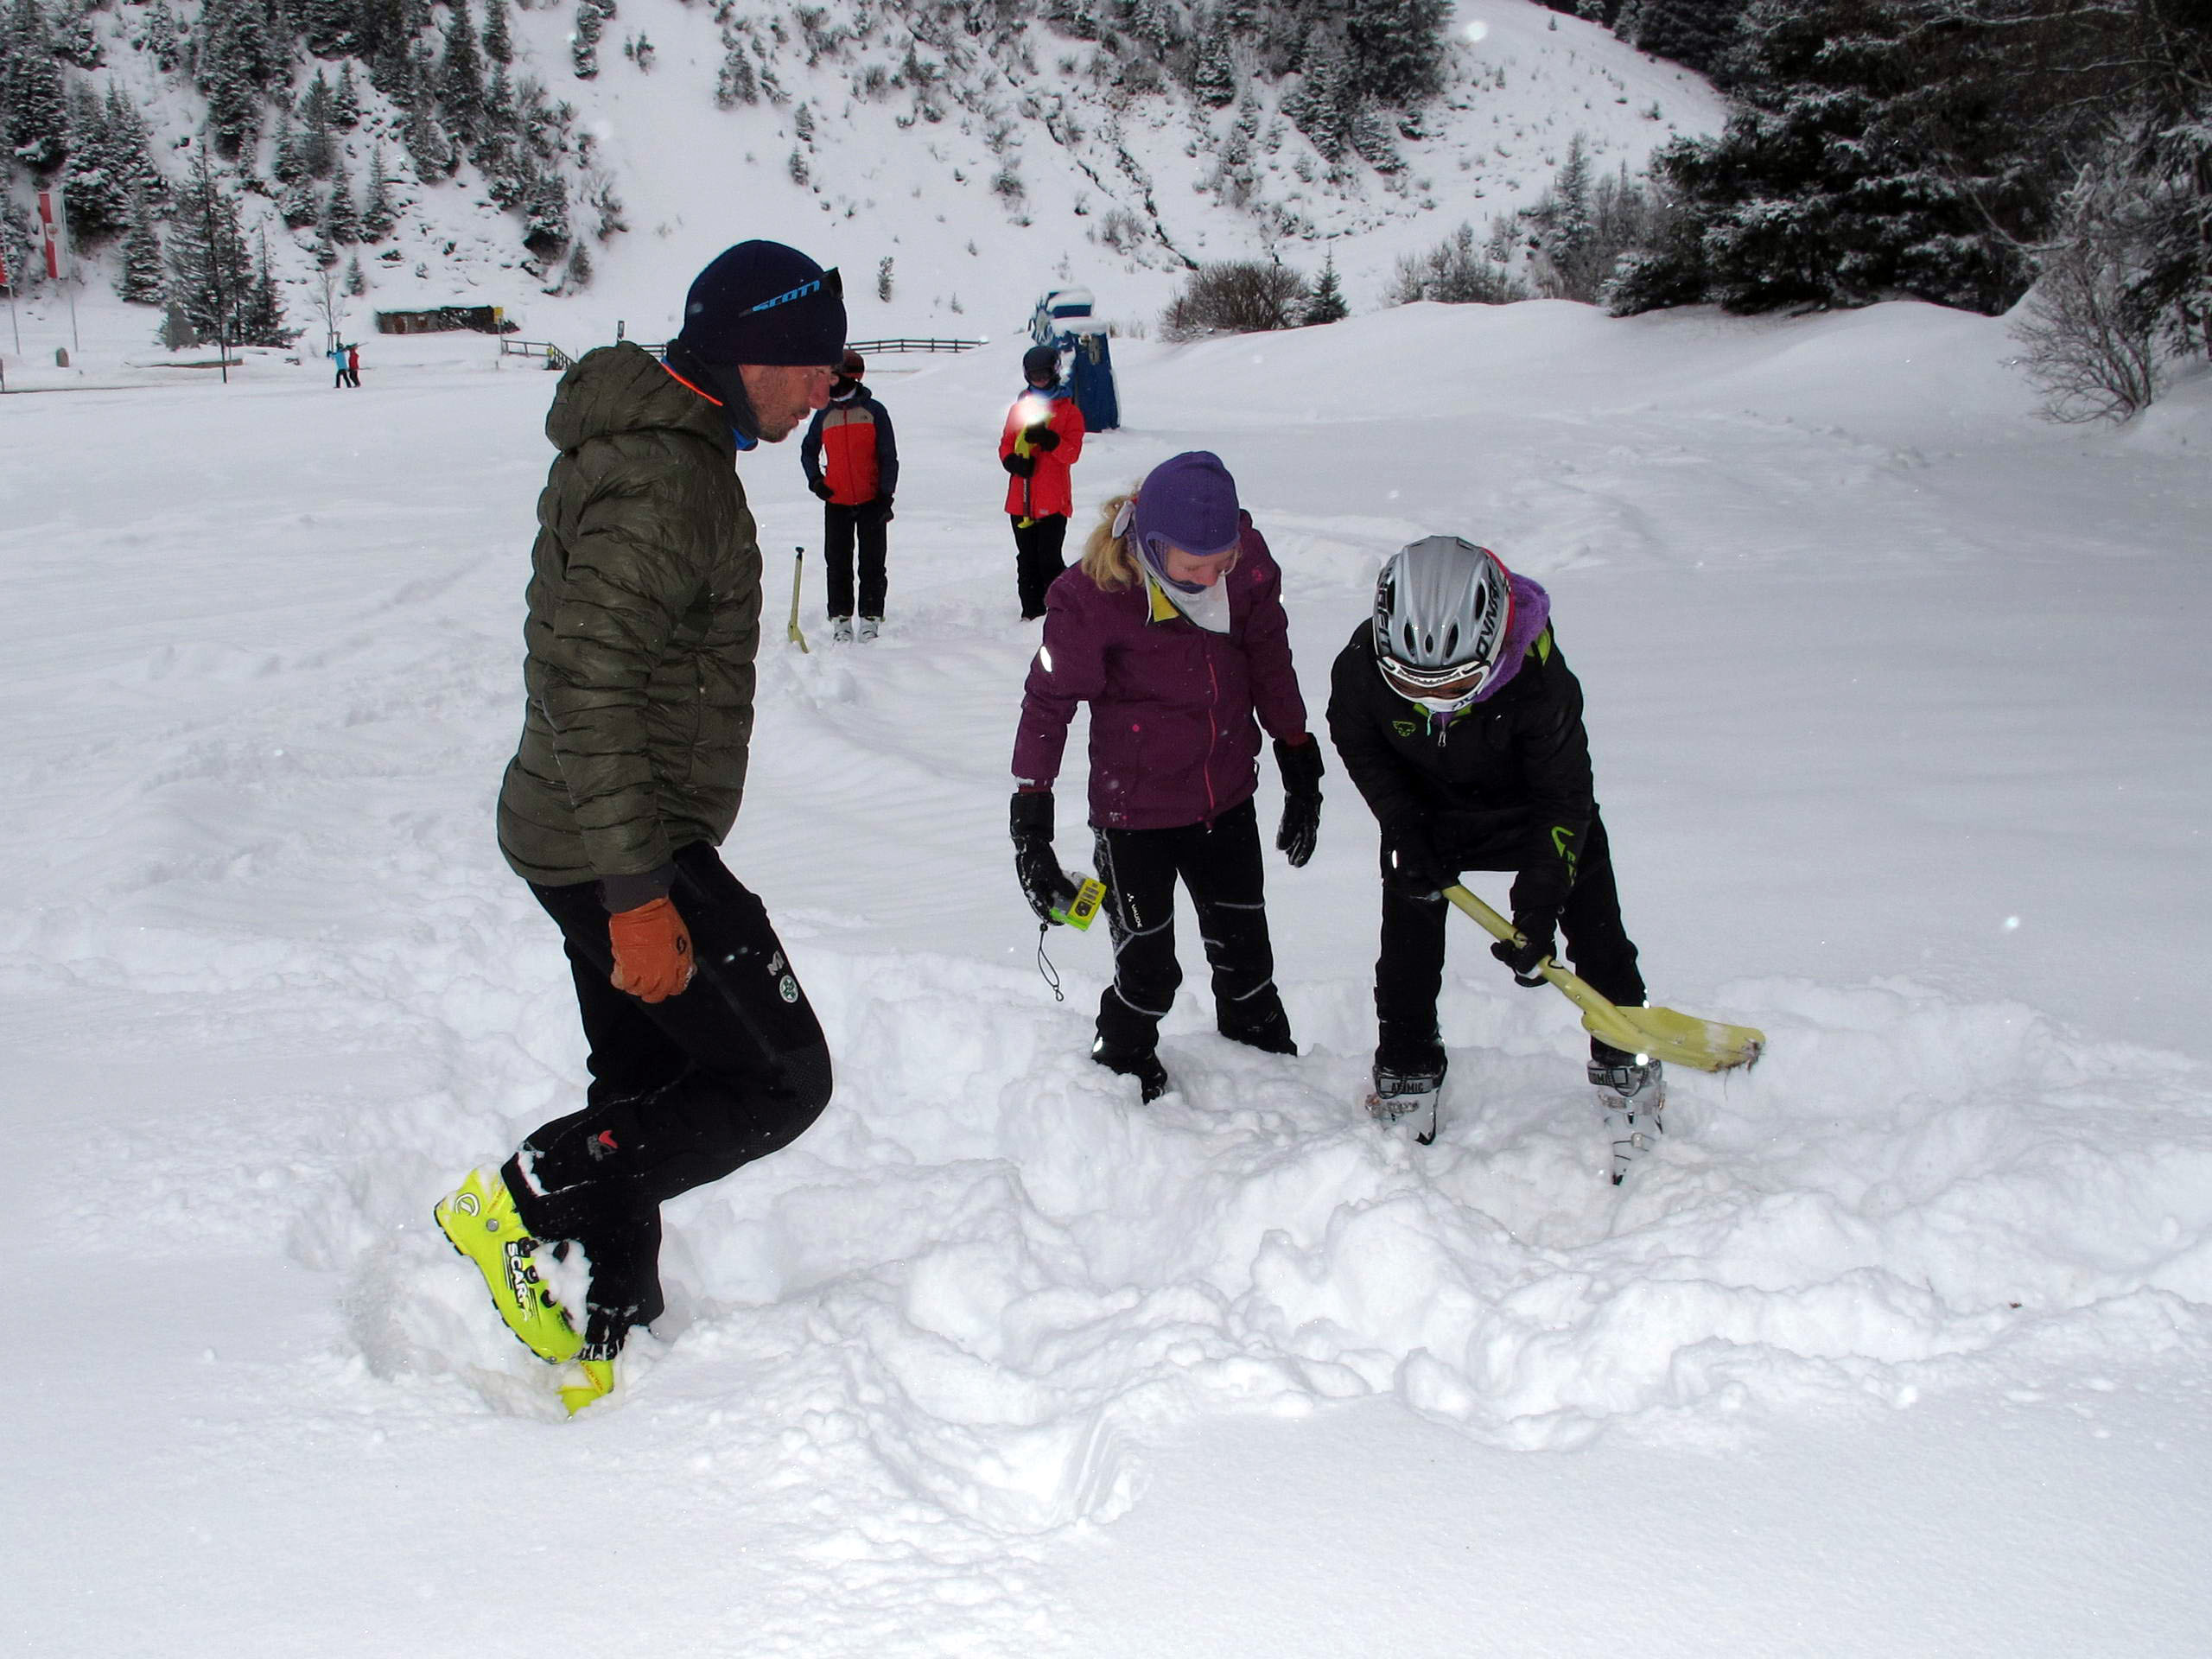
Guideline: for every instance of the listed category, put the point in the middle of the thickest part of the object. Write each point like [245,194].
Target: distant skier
[851,460]
[354,366]
[644,619]
[1042,438]
[1458,718]
[337,355]
[1172,630]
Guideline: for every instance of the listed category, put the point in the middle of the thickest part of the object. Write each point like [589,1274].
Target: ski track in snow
[265,957]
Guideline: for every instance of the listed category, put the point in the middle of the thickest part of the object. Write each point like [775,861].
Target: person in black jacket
[1460,722]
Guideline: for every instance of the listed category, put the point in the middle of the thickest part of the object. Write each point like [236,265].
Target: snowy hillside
[1899,1345]
[994,172]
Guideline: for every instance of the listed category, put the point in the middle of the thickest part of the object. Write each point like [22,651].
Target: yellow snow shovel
[793,633]
[1659,1033]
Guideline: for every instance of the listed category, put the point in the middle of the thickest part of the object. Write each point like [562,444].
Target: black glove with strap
[1041,436]
[1539,895]
[1411,863]
[1044,883]
[1020,466]
[1301,764]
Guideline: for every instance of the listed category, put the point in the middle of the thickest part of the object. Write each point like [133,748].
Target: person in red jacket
[1172,630]
[851,460]
[1043,438]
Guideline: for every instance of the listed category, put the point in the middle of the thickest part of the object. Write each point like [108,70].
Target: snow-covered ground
[1899,1346]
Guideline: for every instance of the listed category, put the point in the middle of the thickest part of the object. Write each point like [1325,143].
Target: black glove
[1301,764]
[1020,466]
[821,488]
[1525,959]
[1410,860]
[883,508]
[1044,884]
[1041,436]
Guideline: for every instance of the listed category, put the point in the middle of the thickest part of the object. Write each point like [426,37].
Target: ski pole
[1679,1039]
[798,564]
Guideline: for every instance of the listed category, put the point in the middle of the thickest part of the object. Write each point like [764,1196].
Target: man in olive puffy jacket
[644,619]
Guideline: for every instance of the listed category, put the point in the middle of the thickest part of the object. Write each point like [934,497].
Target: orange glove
[652,952]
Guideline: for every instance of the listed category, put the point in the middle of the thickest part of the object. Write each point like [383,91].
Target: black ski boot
[1144,1066]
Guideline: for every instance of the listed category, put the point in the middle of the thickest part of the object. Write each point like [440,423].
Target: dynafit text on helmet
[1172,629]
[1460,723]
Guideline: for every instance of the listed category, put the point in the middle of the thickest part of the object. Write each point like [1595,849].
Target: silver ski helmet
[1443,607]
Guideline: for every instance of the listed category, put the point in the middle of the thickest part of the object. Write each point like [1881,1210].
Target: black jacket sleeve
[1355,717]
[887,450]
[810,448]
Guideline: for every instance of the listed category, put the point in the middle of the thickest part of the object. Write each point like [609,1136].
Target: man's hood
[625,389]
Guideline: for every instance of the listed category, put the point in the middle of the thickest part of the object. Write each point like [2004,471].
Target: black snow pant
[840,527]
[1410,973]
[1220,866]
[682,1091]
[1038,560]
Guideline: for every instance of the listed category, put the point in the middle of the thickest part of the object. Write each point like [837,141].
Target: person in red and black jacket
[1042,438]
[1172,630]
[851,460]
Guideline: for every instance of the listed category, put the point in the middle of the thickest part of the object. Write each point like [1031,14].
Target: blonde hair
[1107,559]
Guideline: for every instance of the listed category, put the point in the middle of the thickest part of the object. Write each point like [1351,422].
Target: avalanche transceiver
[1084,909]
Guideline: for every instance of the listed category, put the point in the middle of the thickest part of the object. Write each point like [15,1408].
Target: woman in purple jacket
[1172,630]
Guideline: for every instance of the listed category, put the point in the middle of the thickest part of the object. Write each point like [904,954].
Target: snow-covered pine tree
[238,57]
[583,42]
[346,100]
[379,213]
[1326,301]
[342,218]
[461,80]
[735,82]
[141,280]
[1396,50]
[357,281]
[545,225]
[499,35]
[1847,172]
[34,105]
[162,37]
[317,140]
[95,184]
[76,39]
[261,320]
[1215,78]
[209,267]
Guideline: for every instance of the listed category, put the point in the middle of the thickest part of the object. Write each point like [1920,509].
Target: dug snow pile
[1879,782]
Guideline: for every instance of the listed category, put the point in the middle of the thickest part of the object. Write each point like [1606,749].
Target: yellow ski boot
[598,1382]
[480,1221]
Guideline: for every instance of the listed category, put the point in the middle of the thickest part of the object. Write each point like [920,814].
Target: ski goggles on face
[1454,680]
[828,283]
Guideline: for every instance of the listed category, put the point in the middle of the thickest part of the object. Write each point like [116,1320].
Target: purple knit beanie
[1189,499]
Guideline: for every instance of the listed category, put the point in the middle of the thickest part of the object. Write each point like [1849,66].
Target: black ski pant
[682,1091]
[1410,973]
[1037,560]
[841,526]
[1220,866]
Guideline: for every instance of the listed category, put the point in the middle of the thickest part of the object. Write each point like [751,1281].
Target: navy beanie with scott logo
[764,303]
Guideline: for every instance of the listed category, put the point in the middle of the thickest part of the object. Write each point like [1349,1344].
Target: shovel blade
[1678,1038]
